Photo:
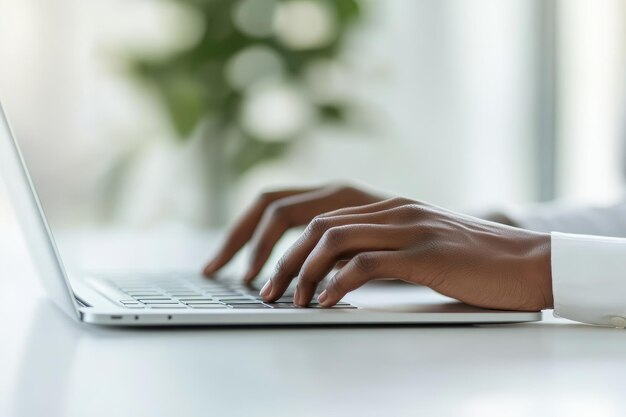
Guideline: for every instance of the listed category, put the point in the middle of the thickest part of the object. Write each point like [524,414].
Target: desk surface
[52,366]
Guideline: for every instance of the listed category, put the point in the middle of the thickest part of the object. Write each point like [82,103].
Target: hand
[478,262]
[499,218]
[274,213]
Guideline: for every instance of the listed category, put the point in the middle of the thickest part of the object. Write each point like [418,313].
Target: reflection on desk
[53,366]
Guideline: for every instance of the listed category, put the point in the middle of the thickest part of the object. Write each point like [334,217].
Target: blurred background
[138,113]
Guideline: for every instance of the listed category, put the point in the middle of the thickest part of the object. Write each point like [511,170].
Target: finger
[290,263]
[245,226]
[284,214]
[340,264]
[364,267]
[370,208]
[338,242]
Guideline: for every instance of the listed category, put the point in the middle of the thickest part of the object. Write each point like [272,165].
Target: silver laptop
[179,298]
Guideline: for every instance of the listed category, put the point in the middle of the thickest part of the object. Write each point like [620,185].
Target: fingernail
[209,268]
[296,297]
[267,289]
[323,297]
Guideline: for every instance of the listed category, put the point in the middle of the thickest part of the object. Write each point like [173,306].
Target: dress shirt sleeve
[589,279]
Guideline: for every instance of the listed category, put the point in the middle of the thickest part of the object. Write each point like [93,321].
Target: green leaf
[192,86]
[254,151]
[348,10]
[333,113]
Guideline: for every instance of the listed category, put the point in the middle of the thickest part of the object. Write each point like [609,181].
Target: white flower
[254,17]
[304,24]
[327,81]
[275,113]
[253,64]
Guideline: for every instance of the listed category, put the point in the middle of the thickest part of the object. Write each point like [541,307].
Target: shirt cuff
[589,279]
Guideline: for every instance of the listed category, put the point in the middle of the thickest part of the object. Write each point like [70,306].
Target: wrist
[541,267]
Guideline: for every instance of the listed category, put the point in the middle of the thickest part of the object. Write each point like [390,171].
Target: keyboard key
[138,296]
[239,301]
[239,289]
[160,302]
[237,306]
[167,306]
[285,300]
[244,288]
[184,294]
[212,288]
[208,306]
[194,303]
[252,294]
[131,283]
[167,291]
[283,305]
[139,293]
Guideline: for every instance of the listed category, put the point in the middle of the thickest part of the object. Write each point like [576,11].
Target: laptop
[179,298]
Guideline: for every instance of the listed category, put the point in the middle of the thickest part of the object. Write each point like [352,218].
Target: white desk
[51,366]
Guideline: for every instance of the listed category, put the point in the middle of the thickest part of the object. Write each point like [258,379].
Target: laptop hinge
[80,301]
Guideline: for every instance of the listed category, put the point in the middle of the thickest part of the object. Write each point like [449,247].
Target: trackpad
[404,297]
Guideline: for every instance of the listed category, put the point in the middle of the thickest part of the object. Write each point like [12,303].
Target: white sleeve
[589,279]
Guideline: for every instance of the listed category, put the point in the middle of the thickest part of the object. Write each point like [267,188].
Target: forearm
[607,220]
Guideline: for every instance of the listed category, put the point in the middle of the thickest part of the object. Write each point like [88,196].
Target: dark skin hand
[368,237]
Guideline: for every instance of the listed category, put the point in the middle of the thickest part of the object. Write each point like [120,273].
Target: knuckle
[334,237]
[406,212]
[335,285]
[365,263]
[341,188]
[413,211]
[282,267]
[267,197]
[305,279]
[346,192]
[327,215]
[318,226]
[401,201]
[277,212]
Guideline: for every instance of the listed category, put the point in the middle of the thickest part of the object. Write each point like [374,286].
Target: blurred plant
[261,74]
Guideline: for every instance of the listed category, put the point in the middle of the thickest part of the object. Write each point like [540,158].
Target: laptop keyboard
[196,292]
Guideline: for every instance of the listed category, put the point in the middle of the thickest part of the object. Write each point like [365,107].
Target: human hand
[273,213]
[478,262]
